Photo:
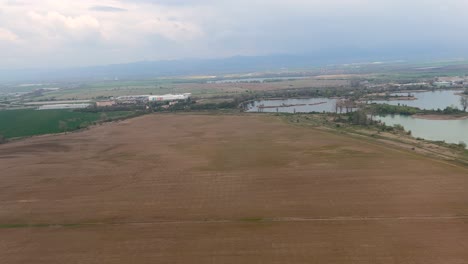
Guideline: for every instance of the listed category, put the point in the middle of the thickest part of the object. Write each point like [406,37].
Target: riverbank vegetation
[386,109]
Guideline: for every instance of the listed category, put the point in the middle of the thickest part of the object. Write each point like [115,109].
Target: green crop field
[27,122]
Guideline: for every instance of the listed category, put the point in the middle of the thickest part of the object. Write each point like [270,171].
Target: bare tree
[339,105]
[348,105]
[464,102]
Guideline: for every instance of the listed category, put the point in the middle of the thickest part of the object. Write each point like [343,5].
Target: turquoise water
[431,100]
[450,131]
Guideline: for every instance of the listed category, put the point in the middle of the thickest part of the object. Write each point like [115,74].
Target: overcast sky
[62,33]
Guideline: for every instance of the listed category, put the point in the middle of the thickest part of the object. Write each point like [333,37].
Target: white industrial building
[63,106]
[169,97]
[443,84]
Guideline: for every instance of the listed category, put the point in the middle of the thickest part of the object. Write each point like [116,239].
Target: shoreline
[394,98]
[439,117]
[402,98]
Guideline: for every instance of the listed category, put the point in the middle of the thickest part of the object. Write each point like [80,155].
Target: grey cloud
[156,29]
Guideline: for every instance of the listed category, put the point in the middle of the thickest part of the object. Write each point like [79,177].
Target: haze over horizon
[65,33]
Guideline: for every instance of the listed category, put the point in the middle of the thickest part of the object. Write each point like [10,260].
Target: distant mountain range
[149,69]
[153,69]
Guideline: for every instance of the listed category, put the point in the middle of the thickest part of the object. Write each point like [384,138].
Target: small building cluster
[105,103]
[453,81]
[121,100]
[143,99]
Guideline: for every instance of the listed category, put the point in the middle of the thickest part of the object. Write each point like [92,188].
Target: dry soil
[226,189]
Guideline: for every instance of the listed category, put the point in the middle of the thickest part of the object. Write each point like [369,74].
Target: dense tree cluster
[386,109]
[449,110]
[359,118]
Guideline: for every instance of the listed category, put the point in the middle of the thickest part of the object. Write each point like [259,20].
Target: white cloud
[7,35]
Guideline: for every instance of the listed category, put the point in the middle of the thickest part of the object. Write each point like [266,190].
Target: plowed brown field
[226,189]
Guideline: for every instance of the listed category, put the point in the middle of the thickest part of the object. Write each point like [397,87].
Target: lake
[431,100]
[450,131]
[306,105]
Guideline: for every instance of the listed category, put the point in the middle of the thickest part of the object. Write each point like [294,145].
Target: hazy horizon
[58,34]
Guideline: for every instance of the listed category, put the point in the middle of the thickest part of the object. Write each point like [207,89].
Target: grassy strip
[14,226]
[71,225]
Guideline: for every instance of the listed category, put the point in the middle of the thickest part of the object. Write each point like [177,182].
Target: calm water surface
[431,100]
[450,131]
[294,105]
